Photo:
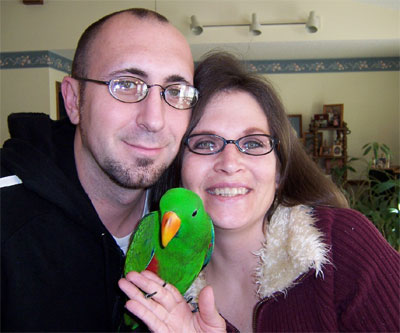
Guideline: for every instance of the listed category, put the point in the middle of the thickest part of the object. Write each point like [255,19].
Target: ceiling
[349,28]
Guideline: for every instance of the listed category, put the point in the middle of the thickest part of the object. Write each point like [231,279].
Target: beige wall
[371,103]
[371,99]
[27,90]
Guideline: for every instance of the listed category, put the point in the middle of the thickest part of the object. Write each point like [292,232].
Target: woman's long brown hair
[300,179]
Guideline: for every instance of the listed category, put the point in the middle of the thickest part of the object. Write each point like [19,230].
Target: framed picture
[335,114]
[337,150]
[309,142]
[321,120]
[295,120]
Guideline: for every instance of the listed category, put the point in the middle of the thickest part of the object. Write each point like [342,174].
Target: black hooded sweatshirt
[59,264]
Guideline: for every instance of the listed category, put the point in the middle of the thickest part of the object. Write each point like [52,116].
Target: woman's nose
[230,160]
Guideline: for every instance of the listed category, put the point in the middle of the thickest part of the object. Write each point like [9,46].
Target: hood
[292,247]
[40,152]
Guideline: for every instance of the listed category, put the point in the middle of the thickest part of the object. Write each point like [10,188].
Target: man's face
[133,143]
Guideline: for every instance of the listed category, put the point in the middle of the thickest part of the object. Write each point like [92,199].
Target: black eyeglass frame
[162,93]
[274,143]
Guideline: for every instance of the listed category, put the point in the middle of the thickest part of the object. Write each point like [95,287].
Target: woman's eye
[209,145]
[252,144]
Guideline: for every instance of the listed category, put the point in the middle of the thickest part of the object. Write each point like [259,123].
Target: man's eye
[126,84]
[174,92]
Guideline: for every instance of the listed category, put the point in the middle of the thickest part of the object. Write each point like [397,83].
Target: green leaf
[375,147]
[366,151]
[381,187]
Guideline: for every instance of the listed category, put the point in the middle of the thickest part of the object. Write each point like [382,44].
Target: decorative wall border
[36,59]
[326,65]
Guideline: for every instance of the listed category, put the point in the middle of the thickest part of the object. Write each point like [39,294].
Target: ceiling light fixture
[312,24]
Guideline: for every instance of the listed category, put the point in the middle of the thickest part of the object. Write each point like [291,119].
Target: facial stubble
[142,175]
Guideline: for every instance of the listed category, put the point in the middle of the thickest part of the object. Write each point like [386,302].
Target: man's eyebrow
[176,78]
[131,70]
[142,74]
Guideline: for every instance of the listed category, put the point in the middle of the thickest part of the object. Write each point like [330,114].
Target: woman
[289,255]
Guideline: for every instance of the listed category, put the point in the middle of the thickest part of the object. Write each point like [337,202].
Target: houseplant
[377,195]
[375,148]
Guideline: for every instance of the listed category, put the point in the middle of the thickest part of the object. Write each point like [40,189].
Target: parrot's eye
[194,213]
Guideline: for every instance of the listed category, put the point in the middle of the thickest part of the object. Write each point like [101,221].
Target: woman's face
[237,189]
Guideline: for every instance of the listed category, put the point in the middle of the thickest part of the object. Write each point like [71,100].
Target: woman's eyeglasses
[209,144]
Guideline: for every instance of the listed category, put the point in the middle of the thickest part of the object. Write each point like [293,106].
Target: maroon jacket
[354,286]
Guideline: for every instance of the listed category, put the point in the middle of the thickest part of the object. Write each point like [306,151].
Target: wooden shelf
[329,161]
[331,157]
[331,128]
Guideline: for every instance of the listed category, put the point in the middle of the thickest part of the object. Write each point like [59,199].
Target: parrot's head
[183,217]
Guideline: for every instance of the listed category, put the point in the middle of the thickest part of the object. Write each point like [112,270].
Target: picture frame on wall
[296,121]
[335,114]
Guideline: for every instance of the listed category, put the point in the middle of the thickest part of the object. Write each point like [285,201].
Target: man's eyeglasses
[129,89]
[209,144]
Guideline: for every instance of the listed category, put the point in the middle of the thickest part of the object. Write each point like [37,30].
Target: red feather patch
[153,265]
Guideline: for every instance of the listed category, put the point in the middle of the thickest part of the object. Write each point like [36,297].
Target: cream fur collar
[293,246]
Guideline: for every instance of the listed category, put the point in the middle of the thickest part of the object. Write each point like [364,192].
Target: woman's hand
[167,310]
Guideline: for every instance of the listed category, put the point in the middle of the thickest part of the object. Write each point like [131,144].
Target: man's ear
[70,92]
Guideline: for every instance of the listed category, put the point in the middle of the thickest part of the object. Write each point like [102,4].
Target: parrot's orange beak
[169,227]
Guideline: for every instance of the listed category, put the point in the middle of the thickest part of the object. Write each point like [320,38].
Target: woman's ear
[70,92]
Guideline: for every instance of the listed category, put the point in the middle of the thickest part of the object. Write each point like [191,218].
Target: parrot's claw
[194,305]
[150,295]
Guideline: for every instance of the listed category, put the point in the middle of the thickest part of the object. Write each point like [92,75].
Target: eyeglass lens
[132,90]
[207,144]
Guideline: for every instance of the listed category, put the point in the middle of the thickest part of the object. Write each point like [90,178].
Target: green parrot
[175,242]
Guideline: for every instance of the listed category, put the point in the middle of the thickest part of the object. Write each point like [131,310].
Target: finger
[152,276]
[129,289]
[149,284]
[138,302]
[164,298]
[208,310]
[153,286]
[148,316]
[171,288]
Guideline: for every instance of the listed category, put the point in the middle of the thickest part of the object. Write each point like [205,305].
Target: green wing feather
[211,247]
[141,249]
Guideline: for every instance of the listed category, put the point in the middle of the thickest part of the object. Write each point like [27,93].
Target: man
[73,191]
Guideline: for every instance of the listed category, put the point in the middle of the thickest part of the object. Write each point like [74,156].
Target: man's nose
[152,110]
